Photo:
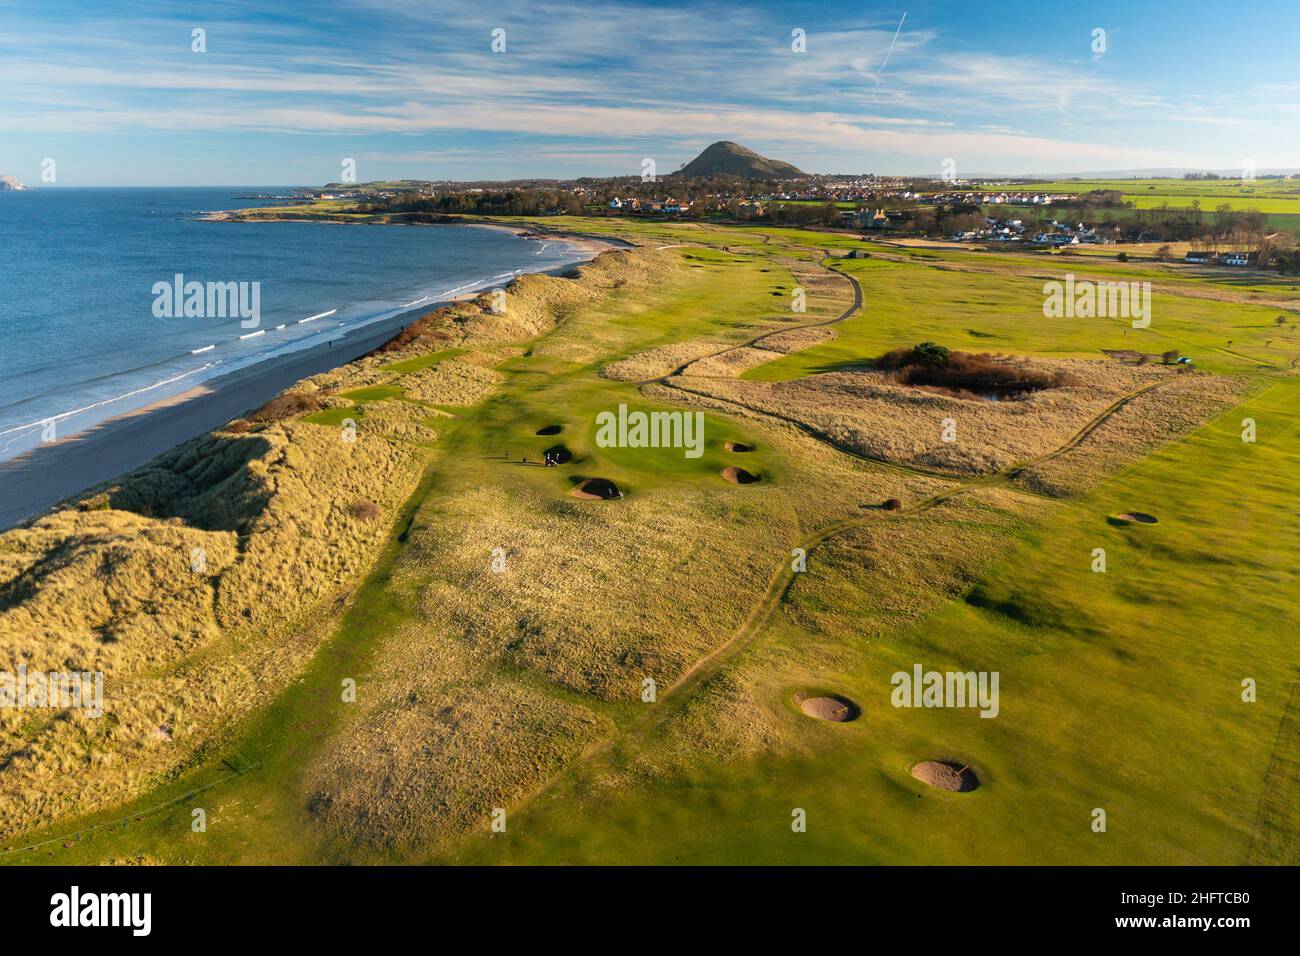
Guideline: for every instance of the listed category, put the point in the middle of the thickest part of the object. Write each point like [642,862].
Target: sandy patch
[834,708]
[943,775]
[739,476]
[596,489]
[1134,517]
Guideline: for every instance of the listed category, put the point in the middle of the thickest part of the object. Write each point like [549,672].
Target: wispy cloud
[578,85]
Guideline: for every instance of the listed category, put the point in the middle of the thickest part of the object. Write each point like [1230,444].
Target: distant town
[993,212]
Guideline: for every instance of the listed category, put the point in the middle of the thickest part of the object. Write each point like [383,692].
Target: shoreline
[586,242]
[35,481]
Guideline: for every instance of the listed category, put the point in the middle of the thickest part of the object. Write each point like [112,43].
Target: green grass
[1285,220]
[908,303]
[373,393]
[421,362]
[250,787]
[1265,195]
[1119,690]
[334,417]
[260,816]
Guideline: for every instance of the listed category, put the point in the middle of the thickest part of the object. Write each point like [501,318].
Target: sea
[88,332]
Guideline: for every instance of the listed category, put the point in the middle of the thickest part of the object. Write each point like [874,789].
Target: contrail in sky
[887,55]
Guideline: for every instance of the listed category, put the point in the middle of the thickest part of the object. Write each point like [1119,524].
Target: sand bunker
[1131,517]
[834,708]
[596,489]
[558,455]
[739,476]
[946,776]
[550,429]
[738,447]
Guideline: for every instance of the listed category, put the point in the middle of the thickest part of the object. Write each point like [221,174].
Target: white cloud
[582,86]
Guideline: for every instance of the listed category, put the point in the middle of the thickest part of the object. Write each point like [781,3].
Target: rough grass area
[421,361]
[675,565]
[1087,683]
[868,413]
[174,591]
[1141,426]
[453,382]
[730,363]
[288,405]
[277,516]
[623,677]
[415,765]
[659,361]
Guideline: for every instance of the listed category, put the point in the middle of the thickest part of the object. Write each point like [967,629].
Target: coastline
[31,483]
[585,242]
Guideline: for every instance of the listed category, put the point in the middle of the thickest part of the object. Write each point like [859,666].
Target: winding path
[780,582]
[673,698]
[750,343]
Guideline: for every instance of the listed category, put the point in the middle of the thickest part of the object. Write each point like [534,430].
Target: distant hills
[9,184]
[725,158]
[731,159]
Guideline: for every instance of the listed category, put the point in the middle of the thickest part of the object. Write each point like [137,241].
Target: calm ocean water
[79,338]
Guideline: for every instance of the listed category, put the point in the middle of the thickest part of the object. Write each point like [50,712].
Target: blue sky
[115,95]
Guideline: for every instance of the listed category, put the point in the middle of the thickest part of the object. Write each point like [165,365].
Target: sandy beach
[31,483]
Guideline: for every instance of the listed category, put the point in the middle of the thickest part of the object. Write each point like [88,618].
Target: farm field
[1265,195]
[503,634]
[1273,221]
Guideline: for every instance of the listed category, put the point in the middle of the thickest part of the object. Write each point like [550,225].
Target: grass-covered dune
[544,677]
[198,583]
